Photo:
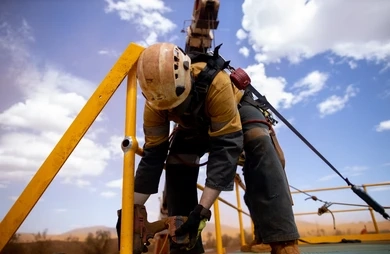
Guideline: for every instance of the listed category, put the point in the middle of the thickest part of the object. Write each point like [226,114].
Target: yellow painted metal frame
[125,65]
[338,238]
[374,222]
[242,235]
[365,237]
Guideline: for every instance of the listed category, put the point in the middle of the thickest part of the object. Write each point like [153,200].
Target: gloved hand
[194,225]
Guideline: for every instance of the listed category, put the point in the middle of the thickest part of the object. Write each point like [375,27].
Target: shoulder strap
[215,63]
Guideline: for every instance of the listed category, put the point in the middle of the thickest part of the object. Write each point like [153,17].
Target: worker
[170,84]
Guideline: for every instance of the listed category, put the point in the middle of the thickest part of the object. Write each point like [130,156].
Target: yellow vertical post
[218,234]
[372,214]
[129,147]
[242,234]
[68,142]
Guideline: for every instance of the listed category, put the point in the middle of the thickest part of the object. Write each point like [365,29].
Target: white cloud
[347,171]
[114,145]
[354,170]
[146,15]
[108,52]
[336,103]
[352,64]
[3,186]
[299,29]
[108,194]
[115,183]
[241,34]
[280,125]
[327,177]
[244,51]
[78,182]
[9,40]
[31,127]
[13,198]
[383,126]
[385,67]
[309,86]
[274,88]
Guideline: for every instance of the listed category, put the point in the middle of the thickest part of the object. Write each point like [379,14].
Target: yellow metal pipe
[200,187]
[372,214]
[129,146]
[58,156]
[242,235]
[336,211]
[377,184]
[218,234]
[322,189]
[341,187]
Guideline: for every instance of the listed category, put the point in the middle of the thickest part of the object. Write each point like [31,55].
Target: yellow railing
[238,183]
[365,186]
[125,66]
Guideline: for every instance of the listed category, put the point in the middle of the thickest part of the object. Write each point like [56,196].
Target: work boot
[288,247]
[143,230]
[256,246]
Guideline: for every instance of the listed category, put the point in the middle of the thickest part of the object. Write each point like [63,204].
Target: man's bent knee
[255,133]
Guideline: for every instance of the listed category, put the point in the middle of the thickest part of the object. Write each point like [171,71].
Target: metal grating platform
[344,248]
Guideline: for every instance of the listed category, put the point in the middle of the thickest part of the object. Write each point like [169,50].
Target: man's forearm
[208,197]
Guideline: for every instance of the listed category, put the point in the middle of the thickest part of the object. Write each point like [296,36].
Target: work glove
[194,225]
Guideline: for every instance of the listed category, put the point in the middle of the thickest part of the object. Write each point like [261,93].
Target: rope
[324,209]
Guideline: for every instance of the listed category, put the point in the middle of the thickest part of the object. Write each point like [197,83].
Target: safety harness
[215,64]
[200,87]
[201,84]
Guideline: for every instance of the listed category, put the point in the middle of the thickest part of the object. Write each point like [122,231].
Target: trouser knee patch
[255,133]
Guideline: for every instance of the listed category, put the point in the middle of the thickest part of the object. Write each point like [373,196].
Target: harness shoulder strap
[215,63]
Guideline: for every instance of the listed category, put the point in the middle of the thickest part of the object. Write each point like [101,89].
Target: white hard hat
[163,72]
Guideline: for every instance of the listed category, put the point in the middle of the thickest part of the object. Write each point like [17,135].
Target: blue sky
[325,65]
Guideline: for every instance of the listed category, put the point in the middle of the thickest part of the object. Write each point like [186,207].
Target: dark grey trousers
[181,178]
[267,195]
